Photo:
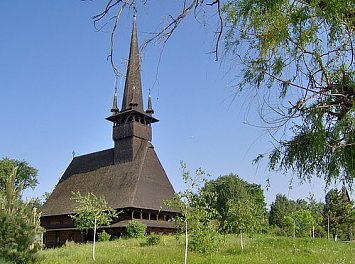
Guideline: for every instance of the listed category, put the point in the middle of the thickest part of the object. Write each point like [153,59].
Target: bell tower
[131,125]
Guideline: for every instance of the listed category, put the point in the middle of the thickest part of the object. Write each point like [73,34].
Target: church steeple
[133,85]
[131,125]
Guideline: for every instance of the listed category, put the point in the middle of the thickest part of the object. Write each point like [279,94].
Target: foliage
[197,218]
[229,191]
[91,211]
[153,239]
[203,231]
[339,210]
[103,236]
[19,222]
[316,209]
[304,222]
[136,229]
[296,218]
[304,53]
[243,217]
[283,207]
[26,175]
[261,249]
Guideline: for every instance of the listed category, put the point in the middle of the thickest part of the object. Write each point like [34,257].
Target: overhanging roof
[141,183]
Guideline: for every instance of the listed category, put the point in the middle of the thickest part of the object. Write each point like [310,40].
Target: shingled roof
[141,183]
[129,175]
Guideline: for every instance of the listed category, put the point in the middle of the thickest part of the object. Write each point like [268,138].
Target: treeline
[332,219]
[236,206]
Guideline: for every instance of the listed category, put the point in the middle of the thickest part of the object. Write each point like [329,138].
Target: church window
[145,216]
[153,217]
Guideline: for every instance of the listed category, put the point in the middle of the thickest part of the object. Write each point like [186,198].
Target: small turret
[114,108]
[133,102]
[150,110]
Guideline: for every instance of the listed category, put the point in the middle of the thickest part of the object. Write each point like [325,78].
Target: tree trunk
[313,231]
[186,242]
[294,229]
[93,244]
[328,226]
[241,241]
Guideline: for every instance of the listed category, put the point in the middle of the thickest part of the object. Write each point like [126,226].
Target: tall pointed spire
[131,125]
[133,86]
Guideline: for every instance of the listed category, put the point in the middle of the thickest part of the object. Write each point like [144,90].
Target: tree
[349,213]
[339,214]
[243,218]
[279,209]
[91,212]
[305,54]
[291,217]
[316,209]
[303,57]
[26,175]
[197,217]
[203,225]
[229,189]
[304,222]
[19,222]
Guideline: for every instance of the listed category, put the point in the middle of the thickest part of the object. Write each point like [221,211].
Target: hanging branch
[164,33]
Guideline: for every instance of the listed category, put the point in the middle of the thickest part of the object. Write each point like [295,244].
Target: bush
[204,238]
[3,261]
[103,236]
[17,238]
[153,239]
[136,229]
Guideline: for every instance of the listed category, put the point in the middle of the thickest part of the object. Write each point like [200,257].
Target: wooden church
[129,176]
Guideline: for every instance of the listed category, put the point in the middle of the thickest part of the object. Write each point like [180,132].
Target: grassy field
[262,249]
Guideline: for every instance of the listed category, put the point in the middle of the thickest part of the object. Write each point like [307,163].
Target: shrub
[19,224]
[136,229]
[17,236]
[153,239]
[204,237]
[103,236]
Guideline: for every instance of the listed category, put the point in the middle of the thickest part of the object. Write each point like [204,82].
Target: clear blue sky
[56,90]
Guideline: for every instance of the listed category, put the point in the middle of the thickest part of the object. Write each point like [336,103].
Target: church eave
[128,113]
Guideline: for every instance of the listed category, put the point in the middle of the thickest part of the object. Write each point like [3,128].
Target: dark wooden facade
[60,228]
[129,176]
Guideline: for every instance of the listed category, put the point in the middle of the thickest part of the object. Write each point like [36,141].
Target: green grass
[261,249]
